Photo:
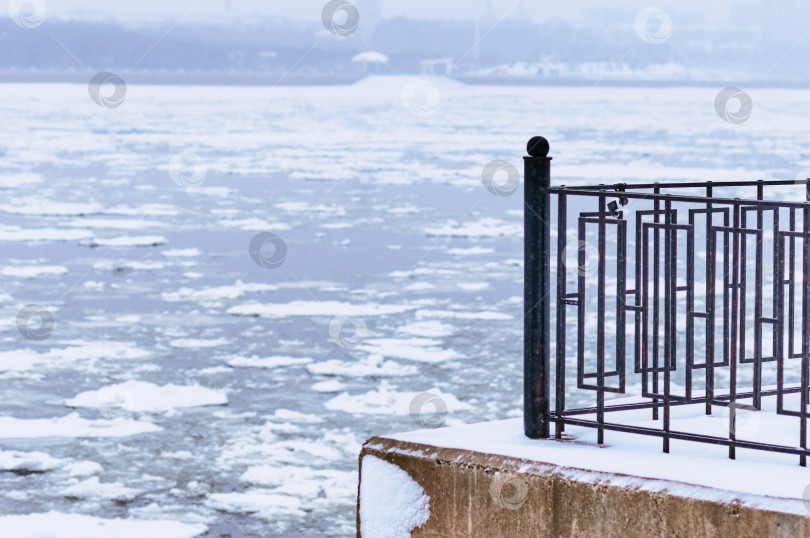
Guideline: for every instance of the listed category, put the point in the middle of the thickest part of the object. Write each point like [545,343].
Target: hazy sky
[310,9]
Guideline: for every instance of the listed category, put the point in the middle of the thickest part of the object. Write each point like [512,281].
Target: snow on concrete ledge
[392,504]
[700,471]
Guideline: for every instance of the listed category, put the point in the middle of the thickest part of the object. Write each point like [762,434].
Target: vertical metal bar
[600,326]
[758,308]
[805,376]
[778,284]
[710,301]
[779,329]
[726,295]
[537,285]
[645,313]
[792,287]
[656,298]
[669,312]
[621,301]
[639,316]
[581,302]
[735,283]
[741,294]
[690,307]
[562,238]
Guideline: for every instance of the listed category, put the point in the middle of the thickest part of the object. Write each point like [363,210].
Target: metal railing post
[537,288]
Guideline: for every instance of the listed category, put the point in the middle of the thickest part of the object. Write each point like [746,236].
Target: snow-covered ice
[43,525]
[71,425]
[141,396]
[385,401]
[267,362]
[33,271]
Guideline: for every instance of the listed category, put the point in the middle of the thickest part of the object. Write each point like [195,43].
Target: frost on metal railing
[677,310]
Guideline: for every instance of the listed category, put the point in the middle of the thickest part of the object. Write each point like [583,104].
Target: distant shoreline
[237,79]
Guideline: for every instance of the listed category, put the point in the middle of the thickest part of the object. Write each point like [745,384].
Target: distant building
[437,66]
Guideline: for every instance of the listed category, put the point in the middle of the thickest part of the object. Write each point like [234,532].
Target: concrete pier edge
[478,494]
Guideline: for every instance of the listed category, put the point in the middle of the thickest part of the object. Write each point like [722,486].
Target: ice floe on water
[369,366]
[254,224]
[428,329]
[215,295]
[282,477]
[182,252]
[29,206]
[197,343]
[257,503]
[42,525]
[472,251]
[386,401]
[318,308]
[303,207]
[28,462]
[107,223]
[17,233]
[29,362]
[72,425]
[473,286]
[268,362]
[414,349]
[140,396]
[33,271]
[328,386]
[487,227]
[128,241]
[287,415]
[10,181]
[93,488]
[450,314]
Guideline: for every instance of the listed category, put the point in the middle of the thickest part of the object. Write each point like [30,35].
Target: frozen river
[210,388]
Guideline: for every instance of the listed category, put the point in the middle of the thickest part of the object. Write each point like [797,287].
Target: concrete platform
[489,480]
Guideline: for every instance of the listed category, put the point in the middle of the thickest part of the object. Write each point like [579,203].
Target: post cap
[538,147]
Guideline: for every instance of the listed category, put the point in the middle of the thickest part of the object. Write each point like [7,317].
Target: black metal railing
[707,292]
